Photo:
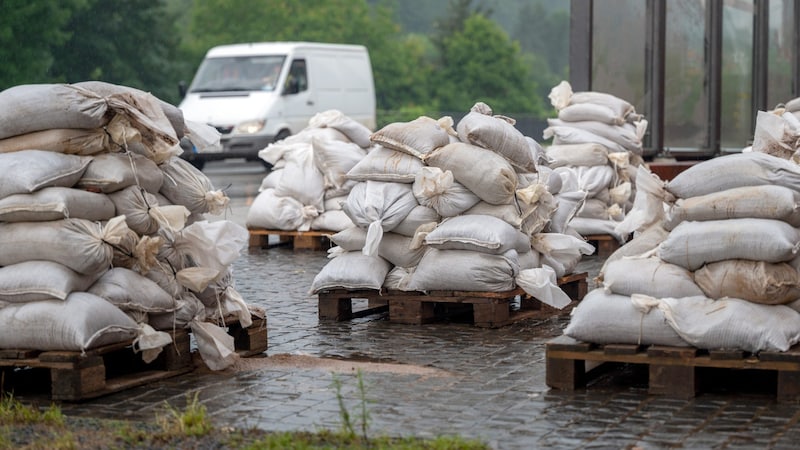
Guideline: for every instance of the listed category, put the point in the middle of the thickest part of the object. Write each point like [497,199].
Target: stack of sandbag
[444,208]
[596,147]
[307,183]
[102,229]
[713,263]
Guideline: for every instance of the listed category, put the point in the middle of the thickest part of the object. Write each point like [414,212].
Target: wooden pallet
[485,309]
[248,341]
[76,376]
[298,240]
[681,372]
[604,243]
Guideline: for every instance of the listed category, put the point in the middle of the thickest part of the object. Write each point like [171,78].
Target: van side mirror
[182,88]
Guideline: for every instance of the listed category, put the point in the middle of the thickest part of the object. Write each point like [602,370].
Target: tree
[483,64]
[28,31]
[132,43]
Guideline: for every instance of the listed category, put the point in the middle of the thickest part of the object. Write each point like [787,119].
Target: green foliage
[483,64]
[28,32]
[12,411]
[192,421]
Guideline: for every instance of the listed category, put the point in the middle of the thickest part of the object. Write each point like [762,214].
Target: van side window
[297,81]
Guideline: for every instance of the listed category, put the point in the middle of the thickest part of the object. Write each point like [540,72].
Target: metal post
[580,45]
[654,73]
[714,73]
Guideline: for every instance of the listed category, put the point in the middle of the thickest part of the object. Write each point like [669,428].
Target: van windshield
[238,73]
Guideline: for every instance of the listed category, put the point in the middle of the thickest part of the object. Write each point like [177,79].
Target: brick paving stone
[492,386]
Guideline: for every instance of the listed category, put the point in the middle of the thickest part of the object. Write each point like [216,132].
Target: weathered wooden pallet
[298,240]
[604,243]
[485,309]
[77,376]
[680,372]
[248,341]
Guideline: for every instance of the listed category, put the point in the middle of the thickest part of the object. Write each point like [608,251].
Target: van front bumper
[238,147]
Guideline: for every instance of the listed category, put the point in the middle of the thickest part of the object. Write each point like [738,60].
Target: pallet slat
[672,371]
[298,240]
[487,309]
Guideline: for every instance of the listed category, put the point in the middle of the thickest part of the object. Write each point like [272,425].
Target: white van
[258,93]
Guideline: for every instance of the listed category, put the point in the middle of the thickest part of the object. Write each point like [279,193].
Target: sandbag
[693,244]
[334,159]
[732,324]
[417,137]
[351,270]
[495,183]
[80,322]
[764,202]
[395,248]
[480,233]
[498,134]
[754,281]
[385,164]
[130,291]
[465,270]
[185,185]
[439,190]
[588,154]
[604,318]
[55,203]
[336,120]
[272,212]
[73,141]
[378,207]
[648,276]
[28,171]
[37,280]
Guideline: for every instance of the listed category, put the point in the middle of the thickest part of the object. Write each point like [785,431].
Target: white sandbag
[529,260]
[732,324]
[37,280]
[271,180]
[112,172]
[564,135]
[732,171]
[588,227]
[773,135]
[215,245]
[385,164]
[562,96]
[130,291]
[497,133]
[336,120]
[81,322]
[378,207]
[480,233]
[754,281]
[594,208]
[693,244]
[34,107]
[418,216]
[588,154]
[188,308]
[569,203]
[135,204]
[417,137]
[763,202]
[643,242]
[185,185]
[335,203]
[648,276]
[439,190]
[542,284]
[648,205]
[495,183]
[301,179]
[73,141]
[137,252]
[351,270]
[562,252]
[82,245]
[395,248]
[594,179]
[579,112]
[465,270]
[27,171]
[275,152]
[603,318]
[334,159]
[623,135]
[334,220]
[215,346]
[55,203]
[397,279]
[272,212]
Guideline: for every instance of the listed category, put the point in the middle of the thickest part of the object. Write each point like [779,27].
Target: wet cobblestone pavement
[479,383]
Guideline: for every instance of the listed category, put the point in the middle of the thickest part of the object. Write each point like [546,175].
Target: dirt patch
[306,362]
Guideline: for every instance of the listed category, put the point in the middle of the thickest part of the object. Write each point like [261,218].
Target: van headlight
[250,127]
